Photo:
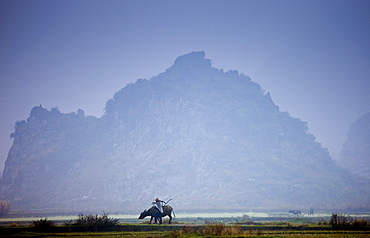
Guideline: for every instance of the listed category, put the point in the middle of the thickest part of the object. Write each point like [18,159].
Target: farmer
[158,204]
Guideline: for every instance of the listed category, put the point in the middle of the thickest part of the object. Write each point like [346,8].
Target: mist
[313,58]
[192,122]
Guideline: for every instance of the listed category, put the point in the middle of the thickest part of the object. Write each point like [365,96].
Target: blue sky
[312,56]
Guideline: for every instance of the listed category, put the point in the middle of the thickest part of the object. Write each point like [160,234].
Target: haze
[312,56]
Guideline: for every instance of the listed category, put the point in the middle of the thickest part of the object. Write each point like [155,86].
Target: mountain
[355,153]
[206,138]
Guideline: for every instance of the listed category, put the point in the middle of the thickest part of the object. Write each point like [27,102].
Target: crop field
[189,225]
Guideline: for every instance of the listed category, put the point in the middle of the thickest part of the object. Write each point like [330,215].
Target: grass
[188,231]
[84,226]
[166,234]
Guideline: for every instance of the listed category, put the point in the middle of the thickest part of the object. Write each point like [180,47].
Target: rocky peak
[38,113]
[195,60]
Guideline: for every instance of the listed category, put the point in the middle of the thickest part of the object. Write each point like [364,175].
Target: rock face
[206,138]
[355,153]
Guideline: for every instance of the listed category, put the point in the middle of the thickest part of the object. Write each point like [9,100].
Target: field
[191,225]
[190,231]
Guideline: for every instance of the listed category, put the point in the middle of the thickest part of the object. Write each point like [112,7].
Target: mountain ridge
[355,152]
[193,133]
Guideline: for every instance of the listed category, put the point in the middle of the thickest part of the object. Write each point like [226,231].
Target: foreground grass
[328,234]
[92,234]
[172,235]
[214,230]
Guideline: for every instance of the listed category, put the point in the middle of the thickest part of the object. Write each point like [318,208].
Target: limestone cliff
[206,138]
[355,154]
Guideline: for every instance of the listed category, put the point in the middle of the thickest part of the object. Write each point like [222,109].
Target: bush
[43,223]
[340,221]
[323,222]
[360,223]
[95,220]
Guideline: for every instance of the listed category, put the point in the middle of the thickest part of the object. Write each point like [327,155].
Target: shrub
[360,223]
[68,223]
[43,223]
[95,220]
[340,221]
[323,222]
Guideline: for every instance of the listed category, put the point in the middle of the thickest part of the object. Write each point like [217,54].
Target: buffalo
[295,212]
[154,212]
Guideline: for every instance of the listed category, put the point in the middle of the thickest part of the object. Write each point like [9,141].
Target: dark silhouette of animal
[295,212]
[153,212]
[311,212]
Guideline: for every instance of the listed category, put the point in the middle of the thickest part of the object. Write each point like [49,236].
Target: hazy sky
[312,56]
